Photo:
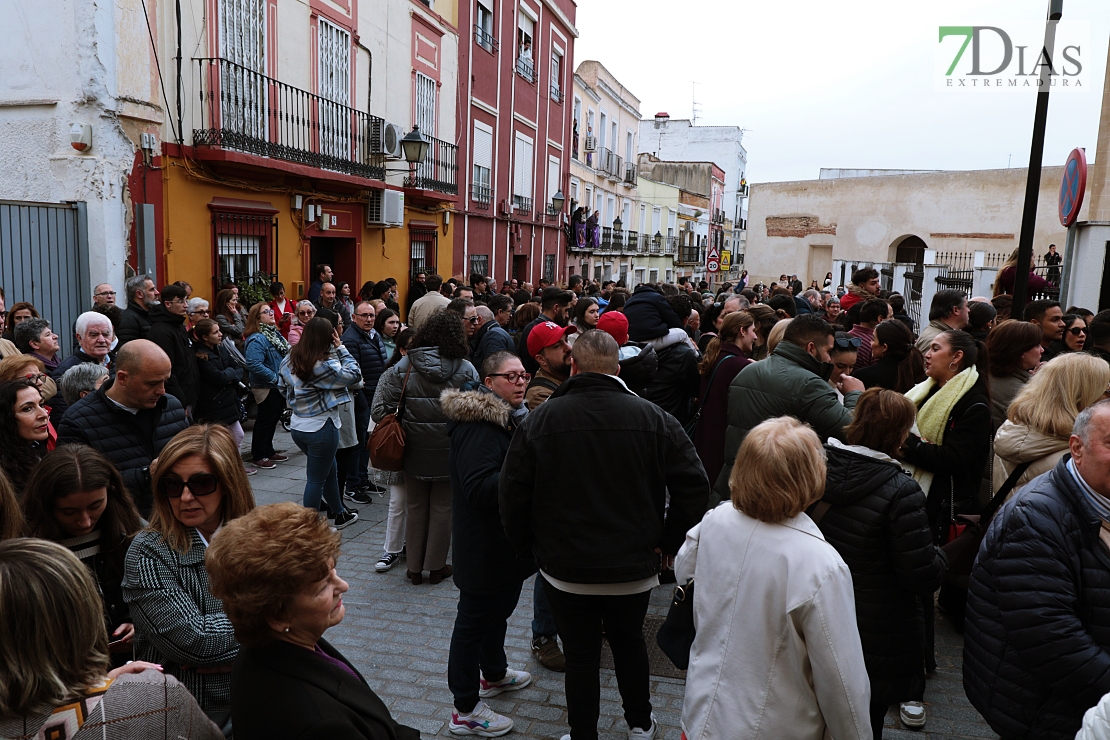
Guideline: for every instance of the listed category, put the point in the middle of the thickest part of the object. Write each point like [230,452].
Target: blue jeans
[356,472]
[320,447]
[543,620]
[478,643]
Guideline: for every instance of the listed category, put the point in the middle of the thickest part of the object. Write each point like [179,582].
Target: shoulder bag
[386,443]
[691,427]
[676,635]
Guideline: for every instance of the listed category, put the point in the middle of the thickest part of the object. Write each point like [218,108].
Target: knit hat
[615,324]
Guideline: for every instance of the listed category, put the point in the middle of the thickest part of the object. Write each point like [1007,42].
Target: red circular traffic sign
[1073,186]
[713,266]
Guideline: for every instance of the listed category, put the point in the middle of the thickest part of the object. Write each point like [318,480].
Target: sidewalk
[398,636]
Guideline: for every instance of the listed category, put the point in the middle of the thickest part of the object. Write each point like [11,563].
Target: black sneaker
[387,561]
[348,517]
[359,496]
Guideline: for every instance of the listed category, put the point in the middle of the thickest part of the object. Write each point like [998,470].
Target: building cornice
[561,17]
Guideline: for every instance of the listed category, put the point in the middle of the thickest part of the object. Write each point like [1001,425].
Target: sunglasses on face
[472,319]
[200,484]
[1076,331]
[849,343]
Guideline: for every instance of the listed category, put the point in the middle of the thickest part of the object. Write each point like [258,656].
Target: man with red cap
[547,345]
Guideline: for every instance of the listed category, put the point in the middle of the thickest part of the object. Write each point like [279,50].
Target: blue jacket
[263,361]
[489,339]
[370,354]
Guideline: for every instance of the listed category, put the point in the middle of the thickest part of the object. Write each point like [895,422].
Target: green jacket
[790,382]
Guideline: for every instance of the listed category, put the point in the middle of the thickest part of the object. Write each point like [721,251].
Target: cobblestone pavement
[398,636]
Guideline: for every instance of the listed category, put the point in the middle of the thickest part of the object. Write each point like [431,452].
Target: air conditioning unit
[591,143]
[386,208]
[386,139]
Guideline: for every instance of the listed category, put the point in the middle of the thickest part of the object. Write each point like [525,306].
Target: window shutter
[483,147]
[487,4]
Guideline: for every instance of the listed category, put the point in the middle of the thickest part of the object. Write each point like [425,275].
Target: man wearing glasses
[366,346]
[104,295]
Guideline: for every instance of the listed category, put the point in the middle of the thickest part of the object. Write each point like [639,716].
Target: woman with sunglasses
[199,485]
[1074,339]
[264,351]
[306,311]
[314,379]
[79,501]
[24,429]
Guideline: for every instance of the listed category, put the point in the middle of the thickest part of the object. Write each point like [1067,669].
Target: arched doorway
[910,250]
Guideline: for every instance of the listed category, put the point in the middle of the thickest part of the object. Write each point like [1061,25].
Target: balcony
[633,242]
[609,163]
[689,254]
[246,111]
[481,196]
[556,93]
[439,170]
[630,174]
[485,40]
[606,238]
[522,205]
[526,68]
[742,224]
[552,213]
[618,239]
[655,246]
[670,246]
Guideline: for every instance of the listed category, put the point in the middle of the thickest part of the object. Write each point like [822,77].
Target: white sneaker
[513,681]
[912,713]
[481,721]
[635,733]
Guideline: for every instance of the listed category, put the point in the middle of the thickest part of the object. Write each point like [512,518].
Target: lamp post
[1036,155]
[558,201]
[415,147]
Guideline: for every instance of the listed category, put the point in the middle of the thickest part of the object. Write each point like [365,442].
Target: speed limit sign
[713,266]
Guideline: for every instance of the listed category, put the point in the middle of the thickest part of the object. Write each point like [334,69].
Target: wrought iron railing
[656,245]
[670,245]
[606,237]
[618,239]
[485,40]
[689,254]
[246,111]
[630,173]
[526,68]
[439,170]
[552,213]
[556,93]
[482,195]
[633,241]
[522,205]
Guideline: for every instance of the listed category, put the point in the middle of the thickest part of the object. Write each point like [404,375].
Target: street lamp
[617,224]
[415,146]
[558,201]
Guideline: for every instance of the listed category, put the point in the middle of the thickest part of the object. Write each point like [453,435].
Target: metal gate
[44,260]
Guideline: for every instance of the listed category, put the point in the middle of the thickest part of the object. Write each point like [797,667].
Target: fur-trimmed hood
[481,404]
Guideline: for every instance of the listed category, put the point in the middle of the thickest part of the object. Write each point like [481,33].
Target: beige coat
[424,307]
[777,654]
[1015,444]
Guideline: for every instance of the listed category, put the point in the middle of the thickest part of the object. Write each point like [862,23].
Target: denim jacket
[263,361]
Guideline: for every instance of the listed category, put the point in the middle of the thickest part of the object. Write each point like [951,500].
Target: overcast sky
[833,83]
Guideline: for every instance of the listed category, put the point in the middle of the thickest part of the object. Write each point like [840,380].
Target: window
[334,85]
[481,189]
[525,66]
[238,256]
[522,173]
[243,241]
[602,129]
[643,218]
[557,77]
[628,148]
[553,172]
[574,190]
[479,264]
[242,85]
[670,276]
[653,275]
[423,254]
[483,27]
[656,213]
[576,126]
[549,267]
[425,104]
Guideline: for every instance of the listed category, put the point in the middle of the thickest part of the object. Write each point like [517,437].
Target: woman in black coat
[873,513]
[274,570]
[220,375]
[898,364]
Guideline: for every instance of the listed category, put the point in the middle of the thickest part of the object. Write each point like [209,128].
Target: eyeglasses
[512,377]
[107,292]
[472,319]
[200,484]
[35,377]
[304,312]
[201,312]
[1075,331]
[848,342]
[363,315]
[269,311]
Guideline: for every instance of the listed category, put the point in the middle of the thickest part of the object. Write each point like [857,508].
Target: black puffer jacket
[130,441]
[649,315]
[676,383]
[369,352]
[1037,628]
[219,376]
[481,426]
[638,371]
[878,525]
[134,323]
[168,331]
[958,463]
[600,533]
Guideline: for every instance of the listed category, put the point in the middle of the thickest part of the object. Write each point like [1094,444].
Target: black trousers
[580,621]
[265,424]
[478,643]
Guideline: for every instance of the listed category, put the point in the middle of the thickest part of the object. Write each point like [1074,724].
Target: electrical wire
[158,66]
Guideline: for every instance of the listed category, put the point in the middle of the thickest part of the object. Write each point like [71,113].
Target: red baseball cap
[546,334]
[615,324]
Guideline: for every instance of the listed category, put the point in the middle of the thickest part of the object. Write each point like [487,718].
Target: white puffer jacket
[1096,722]
[1015,444]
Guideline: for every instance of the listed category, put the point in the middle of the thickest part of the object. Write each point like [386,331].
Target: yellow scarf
[932,418]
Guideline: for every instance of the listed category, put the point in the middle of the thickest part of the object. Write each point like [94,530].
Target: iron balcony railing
[552,213]
[556,93]
[522,205]
[246,111]
[618,239]
[481,195]
[670,246]
[485,40]
[634,241]
[689,255]
[439,170]
[656,245]
[526,69]
[606,237]
[629,174]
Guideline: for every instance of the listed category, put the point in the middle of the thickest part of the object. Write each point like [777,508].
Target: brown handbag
[387,442]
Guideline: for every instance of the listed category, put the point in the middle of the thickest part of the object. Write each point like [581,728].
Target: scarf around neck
[274,337]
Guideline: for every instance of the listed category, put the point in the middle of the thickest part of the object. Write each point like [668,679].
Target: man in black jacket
[134,322]
[364,344]
[599,548]
[129,419]
[1037,640]
[491,336]
[676,382]
[481,424]
[167,330]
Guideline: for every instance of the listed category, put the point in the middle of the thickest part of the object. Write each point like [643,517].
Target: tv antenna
[694,102]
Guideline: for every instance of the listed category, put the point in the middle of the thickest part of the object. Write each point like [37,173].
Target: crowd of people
[803,457]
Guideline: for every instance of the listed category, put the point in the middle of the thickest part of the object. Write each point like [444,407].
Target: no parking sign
[1073,187]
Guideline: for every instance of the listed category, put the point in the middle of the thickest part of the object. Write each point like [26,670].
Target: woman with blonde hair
[1038,425]
[765,319]
[796,669]
[725,356]
[199,485]
[776,335]
[54,677]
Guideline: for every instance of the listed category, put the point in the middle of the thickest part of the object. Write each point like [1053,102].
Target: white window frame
[333,84]
[554,176]
[523,168]
[424,111]
[482,173]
